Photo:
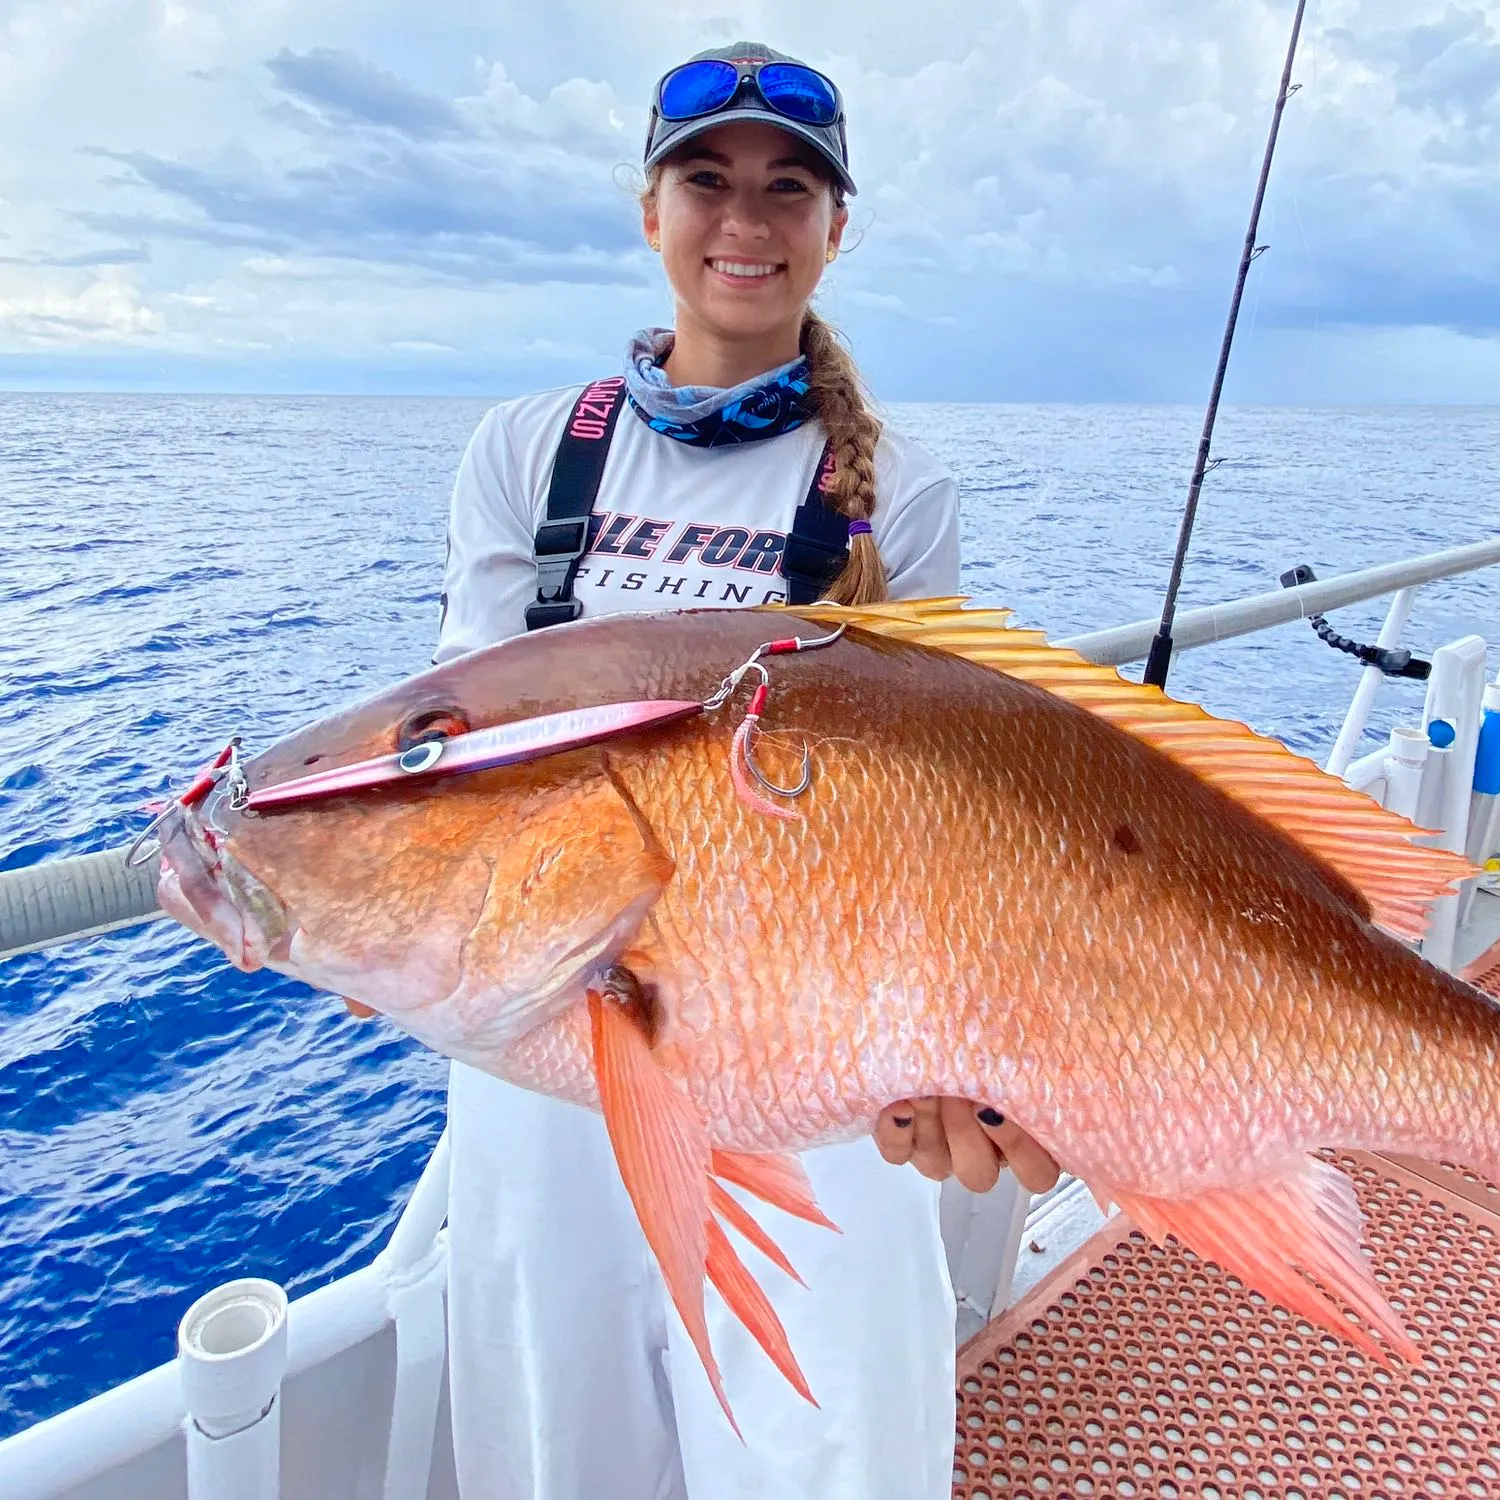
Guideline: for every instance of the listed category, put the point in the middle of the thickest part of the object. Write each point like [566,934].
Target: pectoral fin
[1307,1220]
[662,1147]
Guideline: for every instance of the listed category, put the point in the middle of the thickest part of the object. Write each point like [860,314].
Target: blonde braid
[837,400]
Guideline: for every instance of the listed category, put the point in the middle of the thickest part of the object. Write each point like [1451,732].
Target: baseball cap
[748,103]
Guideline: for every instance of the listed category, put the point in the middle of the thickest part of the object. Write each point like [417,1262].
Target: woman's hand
[957,1138]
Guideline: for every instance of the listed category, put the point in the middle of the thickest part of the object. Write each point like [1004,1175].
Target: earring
[656,245]
[832,255]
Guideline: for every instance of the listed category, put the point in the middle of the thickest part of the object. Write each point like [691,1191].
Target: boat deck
[1133,1371]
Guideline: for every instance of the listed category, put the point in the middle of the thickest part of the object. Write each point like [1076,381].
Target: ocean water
[175,570]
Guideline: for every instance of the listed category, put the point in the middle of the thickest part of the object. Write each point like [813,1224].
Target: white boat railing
[93,893]
[404,1285]
[1223,622]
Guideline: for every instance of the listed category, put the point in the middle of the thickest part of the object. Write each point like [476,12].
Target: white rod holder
[1404,763]
[1454,694]
[1483,838]
[231,1354]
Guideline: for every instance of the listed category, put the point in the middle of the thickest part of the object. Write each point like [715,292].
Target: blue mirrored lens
[697,88]
[799,93]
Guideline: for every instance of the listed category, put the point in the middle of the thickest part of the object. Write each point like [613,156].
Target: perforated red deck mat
[1134,1372]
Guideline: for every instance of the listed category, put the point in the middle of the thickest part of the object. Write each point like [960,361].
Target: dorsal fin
[1369,848]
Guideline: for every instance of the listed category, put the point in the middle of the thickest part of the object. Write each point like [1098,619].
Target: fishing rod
[1161,645]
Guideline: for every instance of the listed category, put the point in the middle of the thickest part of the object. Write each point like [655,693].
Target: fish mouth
[202,886]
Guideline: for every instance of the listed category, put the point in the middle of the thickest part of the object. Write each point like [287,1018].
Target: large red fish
[1151,938]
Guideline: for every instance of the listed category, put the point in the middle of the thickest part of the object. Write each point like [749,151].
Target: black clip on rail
[1394,661]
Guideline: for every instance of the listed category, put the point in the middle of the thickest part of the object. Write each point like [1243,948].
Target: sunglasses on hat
[708,85]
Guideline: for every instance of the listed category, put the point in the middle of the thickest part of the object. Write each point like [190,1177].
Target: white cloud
[108,309]
[384,179]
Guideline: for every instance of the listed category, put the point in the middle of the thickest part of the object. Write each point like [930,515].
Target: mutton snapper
[1152,938]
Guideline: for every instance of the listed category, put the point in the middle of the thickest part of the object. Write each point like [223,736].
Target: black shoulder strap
[818,546]
[563,538]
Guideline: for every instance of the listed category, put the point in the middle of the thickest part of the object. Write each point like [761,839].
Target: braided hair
[838,402]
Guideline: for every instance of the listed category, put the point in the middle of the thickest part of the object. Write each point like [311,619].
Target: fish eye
[429,724]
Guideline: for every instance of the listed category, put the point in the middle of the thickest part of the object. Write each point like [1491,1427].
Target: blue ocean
[179,569]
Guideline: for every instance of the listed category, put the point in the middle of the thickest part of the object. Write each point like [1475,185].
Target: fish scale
[1016,878]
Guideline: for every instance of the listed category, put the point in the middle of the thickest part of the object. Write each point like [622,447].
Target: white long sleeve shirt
[680,526]
[570,1376]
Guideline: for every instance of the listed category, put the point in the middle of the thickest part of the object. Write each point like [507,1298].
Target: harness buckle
[562,539]
[560,545]
[548,612]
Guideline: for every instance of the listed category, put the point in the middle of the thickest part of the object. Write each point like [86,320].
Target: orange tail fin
[661,1145]
[1306,1220]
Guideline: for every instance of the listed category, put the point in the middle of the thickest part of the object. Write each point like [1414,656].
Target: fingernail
[901,1122]
[991,1117]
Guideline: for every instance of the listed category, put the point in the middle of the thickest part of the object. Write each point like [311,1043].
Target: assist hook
[747,736]
[743,750]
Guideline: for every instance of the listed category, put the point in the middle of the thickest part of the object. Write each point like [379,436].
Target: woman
[570,1378]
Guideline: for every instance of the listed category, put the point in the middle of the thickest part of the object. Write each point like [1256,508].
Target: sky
[385,196]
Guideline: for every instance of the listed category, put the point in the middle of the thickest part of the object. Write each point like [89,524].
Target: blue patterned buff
[704,416]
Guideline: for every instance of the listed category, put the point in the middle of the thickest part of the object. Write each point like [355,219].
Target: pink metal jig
[524,740]
[479,750]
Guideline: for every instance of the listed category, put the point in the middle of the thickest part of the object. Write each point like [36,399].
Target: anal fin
[777,1179]
[1306,1220]
[752,1307]
[661,1146]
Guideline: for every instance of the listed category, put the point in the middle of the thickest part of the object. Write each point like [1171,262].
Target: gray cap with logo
[664,136]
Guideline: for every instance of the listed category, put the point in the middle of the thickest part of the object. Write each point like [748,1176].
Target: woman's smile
[745,272]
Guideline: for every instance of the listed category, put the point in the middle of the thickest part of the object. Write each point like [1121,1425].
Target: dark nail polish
[991,1117]
[901,1122]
